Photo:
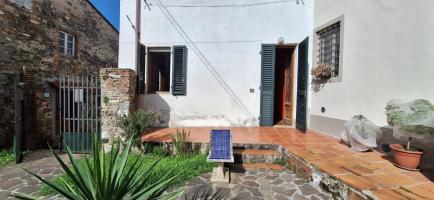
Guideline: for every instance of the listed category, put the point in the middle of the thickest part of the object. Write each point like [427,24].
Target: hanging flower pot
[322,72]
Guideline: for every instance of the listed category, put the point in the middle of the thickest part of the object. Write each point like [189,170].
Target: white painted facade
[387,54]
[224,60]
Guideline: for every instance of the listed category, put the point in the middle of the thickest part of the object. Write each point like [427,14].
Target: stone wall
[118,91]
[7,110]
[29,44]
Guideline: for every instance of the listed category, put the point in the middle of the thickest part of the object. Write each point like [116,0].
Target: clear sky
[110,9]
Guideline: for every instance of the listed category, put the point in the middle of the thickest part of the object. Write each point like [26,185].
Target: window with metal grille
[67,44]
[328,46]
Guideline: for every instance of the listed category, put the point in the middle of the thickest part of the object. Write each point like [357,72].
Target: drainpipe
[137,34]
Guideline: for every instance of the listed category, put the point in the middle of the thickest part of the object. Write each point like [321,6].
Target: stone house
[41,39]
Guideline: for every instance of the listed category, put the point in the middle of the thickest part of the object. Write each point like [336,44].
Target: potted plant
[410,121]
[322,72]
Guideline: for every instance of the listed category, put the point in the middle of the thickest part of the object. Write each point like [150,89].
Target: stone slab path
[253,184]
[14,179]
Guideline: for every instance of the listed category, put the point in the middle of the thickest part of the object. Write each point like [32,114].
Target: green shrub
[109,176]
[134,125]
[180,142]
[6,157]
[159,150]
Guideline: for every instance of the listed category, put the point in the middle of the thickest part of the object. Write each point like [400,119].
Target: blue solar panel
[220,144]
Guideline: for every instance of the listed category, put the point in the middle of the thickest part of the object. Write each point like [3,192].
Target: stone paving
[372,175]
[14,179]
[250,184]
[253,184]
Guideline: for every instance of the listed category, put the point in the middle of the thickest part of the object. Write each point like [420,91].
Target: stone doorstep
[256,152]
[242,166]
[256,156]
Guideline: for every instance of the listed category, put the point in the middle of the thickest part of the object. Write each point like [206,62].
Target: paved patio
[14,179]
[252,185]
[370,173]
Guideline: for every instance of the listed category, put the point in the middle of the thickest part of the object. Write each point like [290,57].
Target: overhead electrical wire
[204,60]
[225,5]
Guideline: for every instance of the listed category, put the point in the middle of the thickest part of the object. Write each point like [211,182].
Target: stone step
[255,156]
[256,146]
[243,166]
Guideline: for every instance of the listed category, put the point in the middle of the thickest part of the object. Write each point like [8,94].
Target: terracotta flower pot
[404,158]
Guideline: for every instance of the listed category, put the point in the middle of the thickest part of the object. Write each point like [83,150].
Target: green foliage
[410,116]
[105,100]
[362,124]
[186,167]
[112,176]
[180,142]
[280,162]
[134,125]
[159,150]
[6,157]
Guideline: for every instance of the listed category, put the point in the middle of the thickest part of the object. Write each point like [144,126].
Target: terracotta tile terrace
[370,174]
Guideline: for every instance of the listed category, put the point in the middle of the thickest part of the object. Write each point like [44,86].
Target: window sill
[159,93]
[68,57]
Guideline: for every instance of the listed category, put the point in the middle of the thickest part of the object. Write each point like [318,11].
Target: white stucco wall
[229,38]
[127,34]
[387,54]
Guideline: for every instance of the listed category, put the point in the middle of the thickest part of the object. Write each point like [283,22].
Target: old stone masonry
[253,184]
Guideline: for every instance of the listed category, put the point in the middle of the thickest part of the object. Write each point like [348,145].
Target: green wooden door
[267,84]
[302,78]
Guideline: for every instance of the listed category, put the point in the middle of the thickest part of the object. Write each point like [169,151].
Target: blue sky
[110,9]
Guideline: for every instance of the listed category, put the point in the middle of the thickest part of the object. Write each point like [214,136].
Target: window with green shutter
[141,70]
[179,75]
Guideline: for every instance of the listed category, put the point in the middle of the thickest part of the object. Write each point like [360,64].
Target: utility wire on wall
[228,5]
[204,60]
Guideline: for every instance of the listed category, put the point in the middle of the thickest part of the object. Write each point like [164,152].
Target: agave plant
[106,176]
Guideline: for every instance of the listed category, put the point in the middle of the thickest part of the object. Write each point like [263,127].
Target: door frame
[292,46]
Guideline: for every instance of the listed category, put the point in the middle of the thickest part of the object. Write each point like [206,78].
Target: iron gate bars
[79,111]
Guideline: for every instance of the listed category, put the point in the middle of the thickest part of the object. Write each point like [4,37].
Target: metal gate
[79,111]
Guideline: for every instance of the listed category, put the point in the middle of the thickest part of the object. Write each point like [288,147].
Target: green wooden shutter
[302,78]
[267,84]
[179,75]
[141,70]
